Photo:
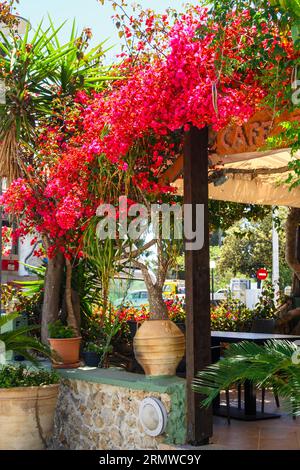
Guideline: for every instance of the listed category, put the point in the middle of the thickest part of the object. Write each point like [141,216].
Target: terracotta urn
[26,416]
[159,345]
[65,352]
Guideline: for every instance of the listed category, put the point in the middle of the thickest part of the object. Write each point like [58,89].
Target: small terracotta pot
[159,346]
[66,352]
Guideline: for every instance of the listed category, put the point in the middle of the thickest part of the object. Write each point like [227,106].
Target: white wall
[25,249]
[252,297]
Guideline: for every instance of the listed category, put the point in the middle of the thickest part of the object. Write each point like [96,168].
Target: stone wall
[94,415]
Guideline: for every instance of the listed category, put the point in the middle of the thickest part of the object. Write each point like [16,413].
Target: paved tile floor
[274,434]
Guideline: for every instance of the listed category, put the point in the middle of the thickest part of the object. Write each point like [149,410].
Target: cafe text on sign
[252,135]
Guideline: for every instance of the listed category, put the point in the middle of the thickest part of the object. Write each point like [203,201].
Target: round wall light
[153,416]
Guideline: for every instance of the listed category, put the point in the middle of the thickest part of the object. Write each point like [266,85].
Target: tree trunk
[71,317]
[76,307]
[51,304]
[296,286]
[292,224]
[157,306]
[292,246]
[287,315]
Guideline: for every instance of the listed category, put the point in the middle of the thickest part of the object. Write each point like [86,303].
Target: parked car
[136,298]
[220,294]
[174,289]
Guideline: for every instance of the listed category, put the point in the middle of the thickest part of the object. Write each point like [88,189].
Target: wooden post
[297,254]
[198,342]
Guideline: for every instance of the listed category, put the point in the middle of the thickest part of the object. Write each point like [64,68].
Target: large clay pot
[26,416]
[66,352]
[159,346]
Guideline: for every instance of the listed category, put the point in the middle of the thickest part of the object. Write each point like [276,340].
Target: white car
[136,298]
[220,294]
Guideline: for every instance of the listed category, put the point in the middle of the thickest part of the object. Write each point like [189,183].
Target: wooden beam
[198,342]
[173,172]
[298,244]
[216,159]
[176,169]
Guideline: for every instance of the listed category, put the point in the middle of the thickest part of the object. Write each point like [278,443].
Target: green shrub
[266,306]
[92,347]
[21,376]
[231,315]
[59,331]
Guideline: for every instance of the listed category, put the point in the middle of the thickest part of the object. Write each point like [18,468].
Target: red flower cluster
[143,114]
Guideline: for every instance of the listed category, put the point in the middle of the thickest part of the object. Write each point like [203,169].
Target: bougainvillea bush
[188,83]
[185,70]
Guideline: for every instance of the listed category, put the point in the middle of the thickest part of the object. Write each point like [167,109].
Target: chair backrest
[263,325]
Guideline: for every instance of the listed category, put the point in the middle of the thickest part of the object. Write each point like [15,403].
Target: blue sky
[88,13]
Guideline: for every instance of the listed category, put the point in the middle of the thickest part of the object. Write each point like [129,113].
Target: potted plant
[27,403]
[65,345]
[20,341]
[131,317]
[159,344]
[92,354]
[27,396]
[265,310]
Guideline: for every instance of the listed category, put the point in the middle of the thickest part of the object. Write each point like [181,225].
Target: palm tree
[276,365]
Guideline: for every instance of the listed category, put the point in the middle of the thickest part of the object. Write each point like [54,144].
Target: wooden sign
[252,135]
[244,139]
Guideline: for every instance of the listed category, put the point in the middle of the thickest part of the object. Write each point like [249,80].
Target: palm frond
[35,286]
[270,365]
[18,340]
[7,318]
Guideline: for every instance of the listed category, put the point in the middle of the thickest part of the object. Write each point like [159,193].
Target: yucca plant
[20,341]
[88,285]
[26,70]
[80,67]
[104,257]
[275,364]
[35,286]
[35,71]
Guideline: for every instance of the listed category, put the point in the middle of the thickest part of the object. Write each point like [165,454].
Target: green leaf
[269,366]
[4,319]
[295,32]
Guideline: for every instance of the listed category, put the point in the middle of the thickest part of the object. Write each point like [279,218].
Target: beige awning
[257,178]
